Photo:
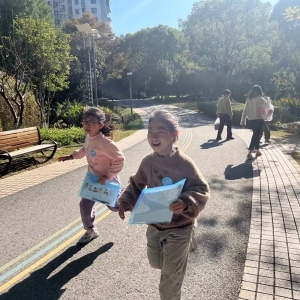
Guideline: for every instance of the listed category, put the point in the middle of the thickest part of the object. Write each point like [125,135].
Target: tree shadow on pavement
[244,170]
[39,286]
[211,144]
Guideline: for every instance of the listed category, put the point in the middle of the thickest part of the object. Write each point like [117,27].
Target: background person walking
[224,112]
[255,122]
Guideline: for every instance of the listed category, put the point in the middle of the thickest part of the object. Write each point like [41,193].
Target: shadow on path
[244,170]
[211,144]
[39,286]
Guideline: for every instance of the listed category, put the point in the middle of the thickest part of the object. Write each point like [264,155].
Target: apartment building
[66,9]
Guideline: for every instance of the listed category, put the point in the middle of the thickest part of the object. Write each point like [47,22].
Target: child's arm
[80,153]
[117,159]
[133,190]
[194,196]
[75,155]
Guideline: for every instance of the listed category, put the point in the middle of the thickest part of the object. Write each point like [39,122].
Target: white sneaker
[88,236]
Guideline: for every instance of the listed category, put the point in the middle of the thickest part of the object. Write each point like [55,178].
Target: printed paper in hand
[153,204]
[93,190]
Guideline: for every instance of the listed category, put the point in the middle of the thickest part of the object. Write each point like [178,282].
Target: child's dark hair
[167,117]
[226,92]
[103,118]
[256,91]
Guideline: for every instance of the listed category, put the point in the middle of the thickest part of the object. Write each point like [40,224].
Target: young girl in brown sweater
[168,244]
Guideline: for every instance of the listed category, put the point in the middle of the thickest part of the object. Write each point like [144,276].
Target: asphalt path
[114,266]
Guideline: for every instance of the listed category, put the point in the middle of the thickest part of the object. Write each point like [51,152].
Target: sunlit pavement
[272,267]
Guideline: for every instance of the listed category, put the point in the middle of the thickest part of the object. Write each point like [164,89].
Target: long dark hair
[103,118]
[256,91]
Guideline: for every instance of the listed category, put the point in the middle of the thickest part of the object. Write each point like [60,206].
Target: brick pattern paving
[272,267]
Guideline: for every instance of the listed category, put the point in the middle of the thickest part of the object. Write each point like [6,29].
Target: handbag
[217,124]
[267,110]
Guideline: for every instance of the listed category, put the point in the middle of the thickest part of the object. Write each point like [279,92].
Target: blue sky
[129,16]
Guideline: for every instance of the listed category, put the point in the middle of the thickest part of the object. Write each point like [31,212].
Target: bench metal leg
[8,166]
[52,154]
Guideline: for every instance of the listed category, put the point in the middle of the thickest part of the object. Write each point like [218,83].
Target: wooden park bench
[22,142]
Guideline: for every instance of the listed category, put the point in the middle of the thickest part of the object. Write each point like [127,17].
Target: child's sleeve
[80,153]
[195,193]
[117,159]
[137,183]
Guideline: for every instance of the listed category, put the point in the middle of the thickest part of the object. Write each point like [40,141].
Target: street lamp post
[86,29]
[129,74]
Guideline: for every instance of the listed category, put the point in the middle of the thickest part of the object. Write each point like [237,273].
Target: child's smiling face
[160,137]
[92,126]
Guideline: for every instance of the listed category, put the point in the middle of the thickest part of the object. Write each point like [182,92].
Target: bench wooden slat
[18,144]
[20,135]
[20,138]
[28,150]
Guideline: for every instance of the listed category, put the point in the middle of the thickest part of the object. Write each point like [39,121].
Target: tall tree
[35,56]
[287,78]
[10,9]
[156,57]
[230,37]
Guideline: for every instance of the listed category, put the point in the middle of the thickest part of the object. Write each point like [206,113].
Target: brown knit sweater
[153,169]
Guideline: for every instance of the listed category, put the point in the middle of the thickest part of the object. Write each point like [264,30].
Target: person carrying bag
[254,106]
[224,112]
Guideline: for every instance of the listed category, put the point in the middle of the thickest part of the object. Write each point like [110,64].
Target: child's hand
[102,179]
[178,206]
[122,209]
[66,157]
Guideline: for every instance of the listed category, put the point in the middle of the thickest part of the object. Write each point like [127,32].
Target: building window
[94,10]
[62,8]
[83,10]
[56,13]
[93,1]
[57,22]
[77,11]
[55,4]
[62,16]
[76,1]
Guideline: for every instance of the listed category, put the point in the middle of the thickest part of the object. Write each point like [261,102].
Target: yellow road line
[189,142]
[46,257]
[29,251]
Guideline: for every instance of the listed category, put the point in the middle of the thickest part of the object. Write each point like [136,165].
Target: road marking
[12,281]
[190,140]
[29,251]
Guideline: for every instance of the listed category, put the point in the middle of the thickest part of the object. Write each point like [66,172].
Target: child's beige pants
[168,251]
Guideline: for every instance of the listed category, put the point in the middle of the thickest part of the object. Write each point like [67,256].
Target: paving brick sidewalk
[272,268]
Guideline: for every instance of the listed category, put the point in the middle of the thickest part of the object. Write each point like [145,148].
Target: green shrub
[64,137]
